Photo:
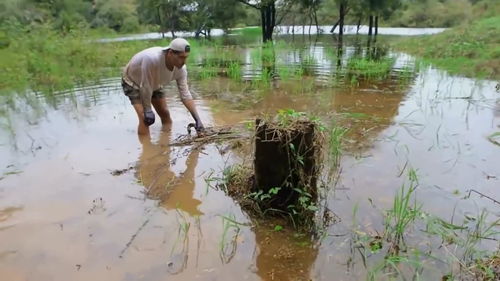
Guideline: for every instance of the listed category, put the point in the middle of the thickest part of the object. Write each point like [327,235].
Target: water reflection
[437,123]
[283,255]
[153,171]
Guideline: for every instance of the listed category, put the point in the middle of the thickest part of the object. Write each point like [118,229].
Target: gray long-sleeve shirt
[147,72]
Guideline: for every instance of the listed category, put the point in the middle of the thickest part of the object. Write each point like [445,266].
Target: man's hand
[199,127]
[149,117]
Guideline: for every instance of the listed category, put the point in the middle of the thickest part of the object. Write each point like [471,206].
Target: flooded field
[83,198]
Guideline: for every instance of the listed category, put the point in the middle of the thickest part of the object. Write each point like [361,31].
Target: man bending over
[144,77]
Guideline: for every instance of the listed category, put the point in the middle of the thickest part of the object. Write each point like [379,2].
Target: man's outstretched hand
[149,117]
[198,126]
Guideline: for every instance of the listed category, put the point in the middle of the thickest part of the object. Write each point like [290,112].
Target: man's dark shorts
[134,94]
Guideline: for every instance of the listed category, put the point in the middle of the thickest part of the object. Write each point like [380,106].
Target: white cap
[179,45]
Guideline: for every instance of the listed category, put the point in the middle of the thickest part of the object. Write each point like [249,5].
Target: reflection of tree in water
[367,111]
[369,104]
[366,105]
[284,254]
[269,72]
[153,171]
[367,108]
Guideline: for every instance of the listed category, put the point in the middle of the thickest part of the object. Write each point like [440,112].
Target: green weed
[335,144]
[369,68]
[234,71]
[403,212]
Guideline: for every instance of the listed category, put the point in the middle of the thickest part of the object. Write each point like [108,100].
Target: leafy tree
[169,15]
[208,14]
[310,7]
[118,15]
[267,10]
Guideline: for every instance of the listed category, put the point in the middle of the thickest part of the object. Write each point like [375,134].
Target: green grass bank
[47,61]
[472,50]
[44,60]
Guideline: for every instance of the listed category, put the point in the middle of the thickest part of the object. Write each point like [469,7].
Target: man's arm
[191,106]
[187,99]
[146,93]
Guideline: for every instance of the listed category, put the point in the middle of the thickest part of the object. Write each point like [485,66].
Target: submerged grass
[461,245]
[234,71]
[472,50]
[403,212]
[335,144]
[369,68]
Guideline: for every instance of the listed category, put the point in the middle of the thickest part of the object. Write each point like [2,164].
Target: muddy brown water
[64,214]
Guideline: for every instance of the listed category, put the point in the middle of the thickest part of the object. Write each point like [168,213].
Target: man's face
[179,58]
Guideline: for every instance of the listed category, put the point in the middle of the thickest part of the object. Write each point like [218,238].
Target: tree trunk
[287,158]
[310,23]
[200,30]
[358,26]
[370,26]
[316,22]
[263,23]
[162,26]
[334,26]
[376,25]
[172,26]
[268,18]
[341,18]
[339,55]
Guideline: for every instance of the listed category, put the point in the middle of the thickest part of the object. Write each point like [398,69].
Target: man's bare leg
[160,105]
[142,129]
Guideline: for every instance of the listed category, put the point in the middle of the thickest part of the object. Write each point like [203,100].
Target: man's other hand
[149,117]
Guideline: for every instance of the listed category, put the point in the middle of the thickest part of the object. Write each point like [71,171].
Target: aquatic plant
[335,138]
[369,68]
[234,71]
[403,212]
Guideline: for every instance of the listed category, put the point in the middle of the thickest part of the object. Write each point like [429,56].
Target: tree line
[201,16]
